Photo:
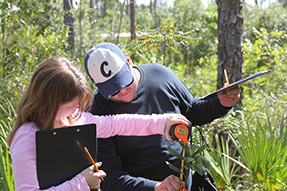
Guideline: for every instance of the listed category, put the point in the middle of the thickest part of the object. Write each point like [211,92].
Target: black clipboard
[60,154]
[235,84]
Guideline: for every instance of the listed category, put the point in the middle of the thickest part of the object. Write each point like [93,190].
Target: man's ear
[129,60]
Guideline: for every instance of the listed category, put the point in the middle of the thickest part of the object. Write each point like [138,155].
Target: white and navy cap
[107,67]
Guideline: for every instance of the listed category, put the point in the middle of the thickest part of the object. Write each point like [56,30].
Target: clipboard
[235,84]
[60,153]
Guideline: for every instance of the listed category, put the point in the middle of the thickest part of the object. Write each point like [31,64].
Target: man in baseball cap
[139,162]
[108,68]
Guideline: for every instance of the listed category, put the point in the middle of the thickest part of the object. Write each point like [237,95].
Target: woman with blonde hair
[58,95]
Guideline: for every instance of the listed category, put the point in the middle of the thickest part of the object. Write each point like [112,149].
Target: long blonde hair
[54,82]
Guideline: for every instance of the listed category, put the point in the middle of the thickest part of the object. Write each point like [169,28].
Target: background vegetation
[252,152]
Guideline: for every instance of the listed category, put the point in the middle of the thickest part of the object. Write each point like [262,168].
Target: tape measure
[180,132]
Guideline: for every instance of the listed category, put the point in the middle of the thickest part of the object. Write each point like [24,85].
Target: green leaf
[189,160]
[192,149]
[205,162]
[199,150]
[172,167]
[199,168]
[174,153]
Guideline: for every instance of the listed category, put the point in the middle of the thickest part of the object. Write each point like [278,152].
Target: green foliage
[192,16]
[222,164]
[272,18]
[27,41]
[7,180]
[6,124]
[192,159]
[22,57]
[267,51]
[160,44]
[262,150]
[205,75]
[145,19]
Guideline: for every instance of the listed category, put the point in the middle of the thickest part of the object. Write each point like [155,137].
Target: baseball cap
[108,68]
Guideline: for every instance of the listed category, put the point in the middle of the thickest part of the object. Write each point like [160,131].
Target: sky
[170,2]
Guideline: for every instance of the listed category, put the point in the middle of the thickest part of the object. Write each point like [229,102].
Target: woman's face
[67,109]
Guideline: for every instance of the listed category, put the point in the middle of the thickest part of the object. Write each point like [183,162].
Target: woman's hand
[92,177]
[172,119]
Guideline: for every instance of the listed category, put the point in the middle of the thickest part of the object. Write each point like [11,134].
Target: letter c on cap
[103,71]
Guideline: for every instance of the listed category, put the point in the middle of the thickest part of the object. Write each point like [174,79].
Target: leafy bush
[266,93]
[6,124]
[223,167]
[262,150]
[28,37]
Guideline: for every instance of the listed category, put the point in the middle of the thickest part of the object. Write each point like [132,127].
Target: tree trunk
[69,22]
[230,39]
[127,8]
[133,18]
[120,25]
[92,12]
[104,14]
[155,14]
[150,7]
[113,21]
[3,34]
[230,54]
[97,9]
[256,3]
[80,27]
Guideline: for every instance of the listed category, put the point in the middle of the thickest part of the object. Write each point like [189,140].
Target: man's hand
[228,98]
[170,183]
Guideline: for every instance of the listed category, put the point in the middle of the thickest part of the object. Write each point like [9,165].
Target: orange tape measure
[180,131]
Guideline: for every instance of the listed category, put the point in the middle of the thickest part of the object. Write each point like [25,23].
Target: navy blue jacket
[137,163]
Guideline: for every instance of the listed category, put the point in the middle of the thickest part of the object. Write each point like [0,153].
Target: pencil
[92,160]
[226,77]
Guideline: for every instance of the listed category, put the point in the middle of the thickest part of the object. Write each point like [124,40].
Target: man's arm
[205,111]
[201,112]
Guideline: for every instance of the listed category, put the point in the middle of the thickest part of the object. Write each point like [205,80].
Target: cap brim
[122,79]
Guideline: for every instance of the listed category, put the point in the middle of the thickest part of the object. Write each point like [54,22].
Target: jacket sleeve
[201,112]
[126,124]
